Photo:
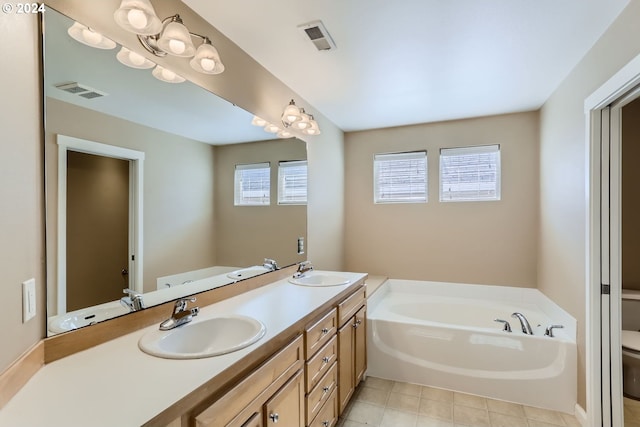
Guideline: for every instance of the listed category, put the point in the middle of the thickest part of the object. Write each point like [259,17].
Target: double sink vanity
[281,353]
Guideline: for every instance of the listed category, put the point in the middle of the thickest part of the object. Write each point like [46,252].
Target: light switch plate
[28,300]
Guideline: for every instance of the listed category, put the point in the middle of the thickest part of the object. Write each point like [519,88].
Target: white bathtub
[444,335]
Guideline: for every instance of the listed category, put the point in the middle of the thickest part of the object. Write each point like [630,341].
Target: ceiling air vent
[318,34]
[80,90]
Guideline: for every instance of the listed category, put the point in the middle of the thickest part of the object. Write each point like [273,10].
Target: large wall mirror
[140,186]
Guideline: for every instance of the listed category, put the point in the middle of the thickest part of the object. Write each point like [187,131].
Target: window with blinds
[292,183]
[400,177]
[252,184]
[470,173]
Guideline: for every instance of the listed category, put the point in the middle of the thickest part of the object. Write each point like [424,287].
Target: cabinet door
[360,345]
[286,407]
[254,421]
[345,365]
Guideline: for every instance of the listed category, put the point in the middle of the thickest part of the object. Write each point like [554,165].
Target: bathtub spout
[526,328]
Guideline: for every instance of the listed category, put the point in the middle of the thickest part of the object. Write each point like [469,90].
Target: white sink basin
[246,273]
[211,337]
[320,280]
[86,316]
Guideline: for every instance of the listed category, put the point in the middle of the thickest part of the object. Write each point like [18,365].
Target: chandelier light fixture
[168,36]
[159,37]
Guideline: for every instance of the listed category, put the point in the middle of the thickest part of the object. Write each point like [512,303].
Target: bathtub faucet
[507,326]
[526,328]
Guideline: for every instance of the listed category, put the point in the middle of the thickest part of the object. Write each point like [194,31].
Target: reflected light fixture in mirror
[86,35]
[292,117]
[166,75]
[133,59]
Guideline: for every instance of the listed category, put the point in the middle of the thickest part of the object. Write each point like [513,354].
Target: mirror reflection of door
[97,229]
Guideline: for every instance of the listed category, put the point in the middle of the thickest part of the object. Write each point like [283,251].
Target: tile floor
[631,413]
[384,403]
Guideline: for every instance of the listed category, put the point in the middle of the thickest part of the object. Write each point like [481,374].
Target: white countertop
[116,384]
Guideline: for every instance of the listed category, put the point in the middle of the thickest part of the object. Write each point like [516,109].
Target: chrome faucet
[507,326]
[303,267]
[133,301]
[270,264]
[548,332]
[526,328]
[180,315]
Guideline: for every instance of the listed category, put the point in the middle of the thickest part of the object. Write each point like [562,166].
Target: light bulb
[177,46]
[91,36]
[136,58]
[168,74]
[137,18]
[207,64]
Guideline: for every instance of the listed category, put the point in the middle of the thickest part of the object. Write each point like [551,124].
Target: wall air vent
[80,90]
[318,34]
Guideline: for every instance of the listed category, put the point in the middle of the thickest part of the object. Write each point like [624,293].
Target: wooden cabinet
[321,370]
[352,346]
[280,376]
[286,407]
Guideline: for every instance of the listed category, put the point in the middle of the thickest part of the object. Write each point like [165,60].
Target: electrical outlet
[28,300]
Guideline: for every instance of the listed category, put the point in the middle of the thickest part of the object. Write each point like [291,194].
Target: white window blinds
[292,183]
[470,173]
[400,177]
[252,184]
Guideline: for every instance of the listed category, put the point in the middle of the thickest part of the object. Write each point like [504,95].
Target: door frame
[604,380]
[136,173]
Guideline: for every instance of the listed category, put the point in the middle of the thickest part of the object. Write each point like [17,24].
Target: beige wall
[631,196]
[468,242]
[179,203]
[561,272]
[21,184]
[245,235]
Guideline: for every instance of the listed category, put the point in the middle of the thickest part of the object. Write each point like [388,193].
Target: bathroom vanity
[298,374]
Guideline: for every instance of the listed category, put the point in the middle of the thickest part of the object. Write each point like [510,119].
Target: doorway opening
[604,109]
[83,169]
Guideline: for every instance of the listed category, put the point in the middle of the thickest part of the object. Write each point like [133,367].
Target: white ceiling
[416,61]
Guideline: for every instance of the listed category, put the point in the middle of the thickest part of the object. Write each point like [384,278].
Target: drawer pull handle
[326,359]
[326,389]
[326,423]
[325,331]
[358,322]
[274,417]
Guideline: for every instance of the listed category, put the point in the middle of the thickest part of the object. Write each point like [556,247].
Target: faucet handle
[181,304]
[507,326]
[548,332]
[130,292]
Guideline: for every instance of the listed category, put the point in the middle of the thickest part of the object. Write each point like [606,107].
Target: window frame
[283,166]
[238,198]
[493,149]
[378,158]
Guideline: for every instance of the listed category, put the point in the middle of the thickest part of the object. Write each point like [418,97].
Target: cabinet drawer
[319,364]
[328,416]
[349,307]
[321,393]
[317,335]
[272,374]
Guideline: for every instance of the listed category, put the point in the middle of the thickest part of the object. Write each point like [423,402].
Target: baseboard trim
[581,415]
[20,372]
